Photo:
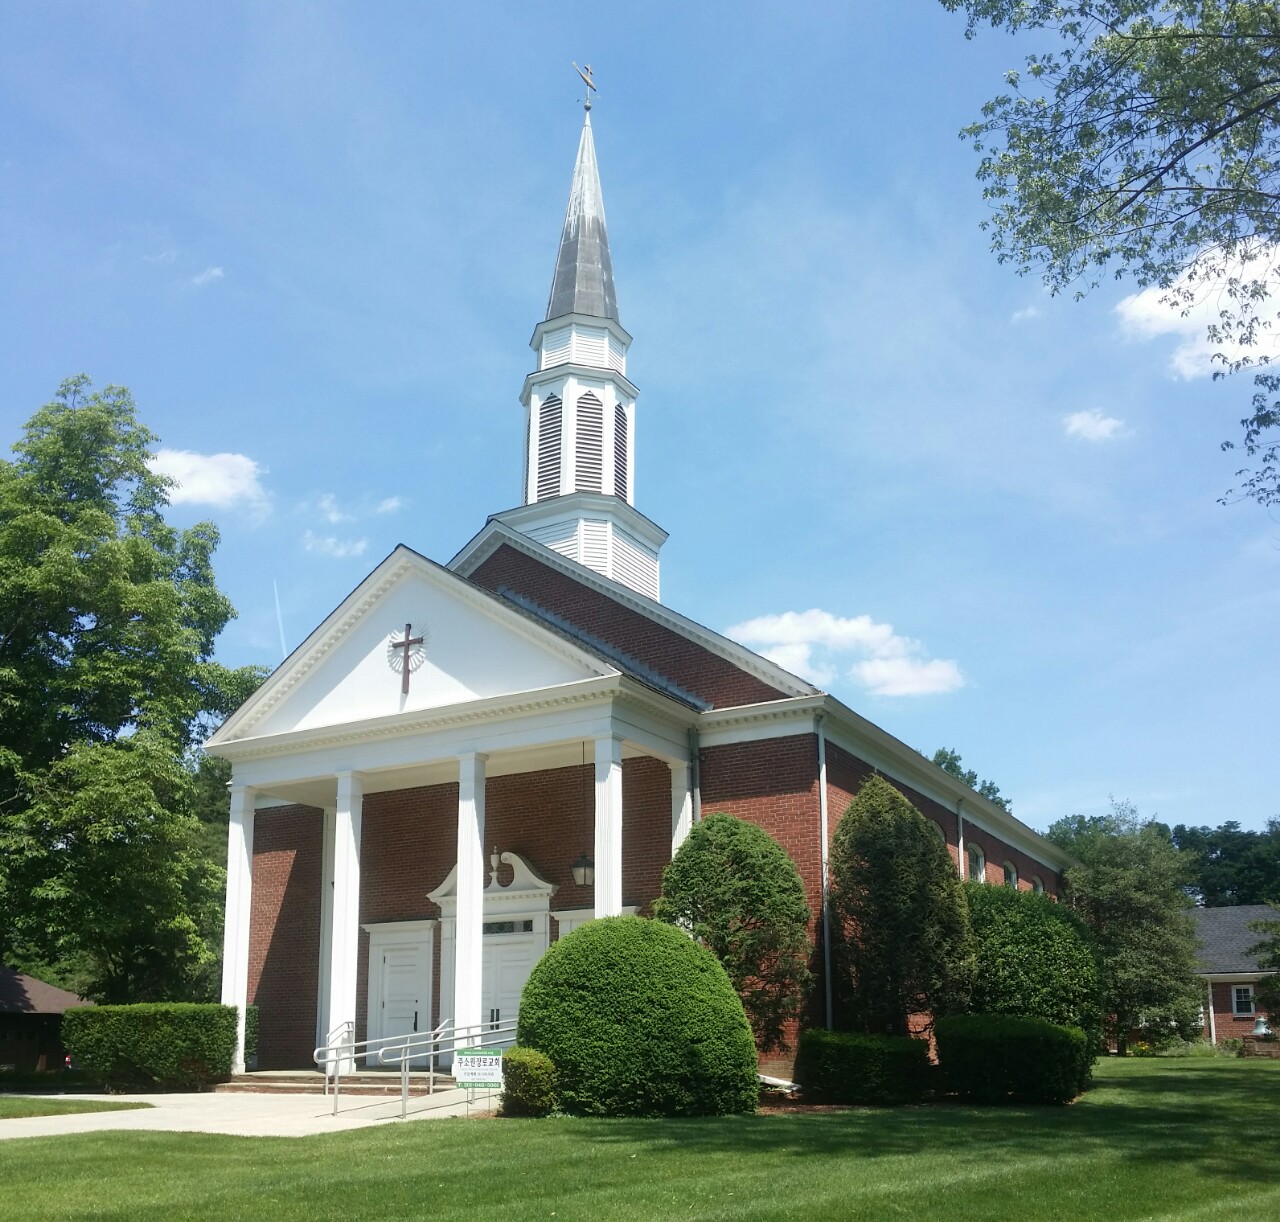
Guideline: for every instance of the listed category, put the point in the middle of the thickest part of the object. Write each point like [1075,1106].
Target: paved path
[245,1115]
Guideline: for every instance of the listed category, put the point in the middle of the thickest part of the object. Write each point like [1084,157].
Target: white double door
[400,964]
[508,960]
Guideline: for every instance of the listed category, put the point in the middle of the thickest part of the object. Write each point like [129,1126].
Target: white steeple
[579,485]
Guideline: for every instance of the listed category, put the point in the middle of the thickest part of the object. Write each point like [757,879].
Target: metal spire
[583,280]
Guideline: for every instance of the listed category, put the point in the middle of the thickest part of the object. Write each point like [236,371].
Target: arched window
[937,827]
[549,418]
[1010,875]
[977,872]
[620,451]
[590,470]
[1037,884]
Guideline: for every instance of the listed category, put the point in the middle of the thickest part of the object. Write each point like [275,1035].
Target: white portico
[492,695]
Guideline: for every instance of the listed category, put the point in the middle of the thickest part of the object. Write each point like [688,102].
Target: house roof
[1226,939]
[21,994]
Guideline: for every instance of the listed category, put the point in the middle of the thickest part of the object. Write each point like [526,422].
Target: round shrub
[639,1020]
[1035,959]
[849,1067]
[1000,1058]
[528,1083]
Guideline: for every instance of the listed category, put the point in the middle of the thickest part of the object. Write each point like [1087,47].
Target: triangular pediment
[474,646]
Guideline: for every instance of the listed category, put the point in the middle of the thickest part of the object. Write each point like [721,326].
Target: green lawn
[12,1105]
[1153,1139]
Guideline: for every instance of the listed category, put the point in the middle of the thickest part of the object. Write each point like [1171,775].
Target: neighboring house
[31,1021]
[1230,971]
[464,762]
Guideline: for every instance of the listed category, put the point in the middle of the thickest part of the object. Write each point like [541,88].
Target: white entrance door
[507,964]
[400,980]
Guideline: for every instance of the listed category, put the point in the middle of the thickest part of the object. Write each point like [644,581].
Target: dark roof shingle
[1226,938]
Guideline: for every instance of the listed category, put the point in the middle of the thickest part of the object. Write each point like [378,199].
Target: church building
[465,761]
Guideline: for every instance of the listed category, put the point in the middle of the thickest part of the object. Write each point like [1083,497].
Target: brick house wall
[284,932]
[1227,1024]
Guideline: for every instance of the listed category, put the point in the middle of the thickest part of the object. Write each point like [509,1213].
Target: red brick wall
[694,668]
[1227,1024]
[284,933]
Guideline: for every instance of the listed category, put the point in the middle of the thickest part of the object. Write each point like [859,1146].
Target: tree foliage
[1130,889]
[1232,865]
[1146,142]
[949,761]
[735,889]
[1267,992]
[108,617]
[1035,959]
[901,929]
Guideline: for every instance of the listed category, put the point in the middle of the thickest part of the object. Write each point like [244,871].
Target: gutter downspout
[825,855]
[1213,1023]
[962,864]
[695,774]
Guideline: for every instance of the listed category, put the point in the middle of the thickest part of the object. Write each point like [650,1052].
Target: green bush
[251,1036]
[639,1020]
[528,1083]
[178,1046]
[998,1058]
[1035,959]
[849,1067]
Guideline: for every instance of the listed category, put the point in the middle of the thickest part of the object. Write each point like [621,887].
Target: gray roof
[1225,936]
[583,282]
[21,994]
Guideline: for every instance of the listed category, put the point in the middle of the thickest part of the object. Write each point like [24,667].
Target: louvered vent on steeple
[590,465]
[549,419]
[620,466]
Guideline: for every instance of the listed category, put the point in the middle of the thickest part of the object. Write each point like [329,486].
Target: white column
[344,936]
[608,862]
[681,804]
[235,940]
[323,1026]
[468,946]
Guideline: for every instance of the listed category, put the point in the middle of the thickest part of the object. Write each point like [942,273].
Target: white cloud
[165,256]
[1092,425]
[390,504]
[328,509]
[222,480]
[1026,314]
[208,276]
[1151,314]
[330,545]
[817,645]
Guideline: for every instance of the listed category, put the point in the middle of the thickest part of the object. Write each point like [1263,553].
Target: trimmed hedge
[849,1067]
[179,1046]
[251,1036]
[528,1083]
[639,1020]
[1000,1058]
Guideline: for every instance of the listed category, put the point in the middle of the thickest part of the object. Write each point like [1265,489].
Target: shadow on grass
[1214,1118]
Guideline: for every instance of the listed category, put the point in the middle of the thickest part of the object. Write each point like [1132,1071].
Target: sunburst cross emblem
[407,655]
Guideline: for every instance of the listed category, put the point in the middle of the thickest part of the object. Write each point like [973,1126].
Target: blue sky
[314,239]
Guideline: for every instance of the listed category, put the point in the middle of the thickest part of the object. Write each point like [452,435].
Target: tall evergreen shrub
[735,889]
[1035,959]
[902,936]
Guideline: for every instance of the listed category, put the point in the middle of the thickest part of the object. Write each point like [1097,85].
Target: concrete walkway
[246,1115]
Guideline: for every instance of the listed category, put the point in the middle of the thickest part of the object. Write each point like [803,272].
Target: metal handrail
[432,1044]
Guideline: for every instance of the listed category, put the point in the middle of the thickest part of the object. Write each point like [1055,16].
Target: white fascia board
[339,622]
[575,505]
[587,373]
[619,332]
[496,533]
[751,723]
[1234,977]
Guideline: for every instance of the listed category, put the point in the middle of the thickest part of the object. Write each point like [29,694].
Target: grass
[17,1105]
[1153,1139]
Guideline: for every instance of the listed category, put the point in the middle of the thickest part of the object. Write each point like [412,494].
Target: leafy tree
[108,617]
[1232,865]
[1035,959]
[949,761]
[735,889]
[1147,143]
[1130,889]
[901,928]
[1267,991]
[104,866]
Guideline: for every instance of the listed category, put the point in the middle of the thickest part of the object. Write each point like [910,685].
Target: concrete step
[310,1082]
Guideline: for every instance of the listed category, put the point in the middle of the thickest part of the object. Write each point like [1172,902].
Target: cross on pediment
[406,656]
